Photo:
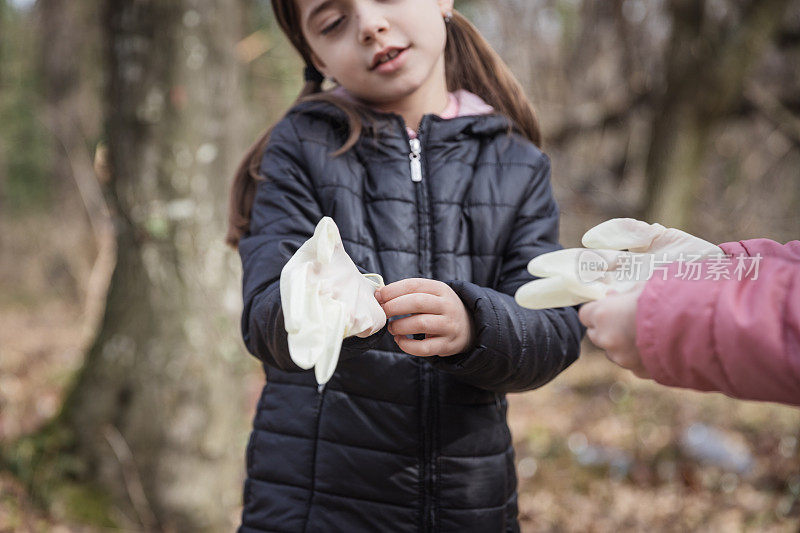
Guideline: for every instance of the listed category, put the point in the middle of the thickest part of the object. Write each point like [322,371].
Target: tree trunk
[706,66]
[157,412]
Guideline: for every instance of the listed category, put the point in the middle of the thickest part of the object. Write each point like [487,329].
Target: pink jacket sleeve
[739,337]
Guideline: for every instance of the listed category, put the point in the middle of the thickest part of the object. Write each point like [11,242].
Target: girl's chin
[392,91]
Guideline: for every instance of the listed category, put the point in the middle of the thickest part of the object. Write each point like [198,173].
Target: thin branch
[133,484]
[88,173]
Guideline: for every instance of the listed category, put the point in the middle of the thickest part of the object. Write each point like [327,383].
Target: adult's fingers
[587,314]
[628,361]
[599,339]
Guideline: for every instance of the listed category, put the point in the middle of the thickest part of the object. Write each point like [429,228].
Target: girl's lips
[393,64]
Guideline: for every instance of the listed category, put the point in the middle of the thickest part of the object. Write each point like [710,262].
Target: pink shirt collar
[459,103]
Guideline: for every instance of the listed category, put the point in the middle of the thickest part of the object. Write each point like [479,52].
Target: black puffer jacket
[396,442]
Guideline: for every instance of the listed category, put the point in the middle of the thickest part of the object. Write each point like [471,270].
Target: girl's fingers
[424,323]
[408,304]
[409,286]
[422,348]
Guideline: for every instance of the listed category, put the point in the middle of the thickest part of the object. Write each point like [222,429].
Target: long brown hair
[470,64]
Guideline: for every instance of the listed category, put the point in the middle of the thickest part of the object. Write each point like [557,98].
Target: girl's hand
[611,324]
[437,312]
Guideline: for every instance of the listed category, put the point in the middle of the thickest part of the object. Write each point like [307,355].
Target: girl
[426,157]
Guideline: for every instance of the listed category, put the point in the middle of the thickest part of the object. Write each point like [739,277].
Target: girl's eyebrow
[319,8]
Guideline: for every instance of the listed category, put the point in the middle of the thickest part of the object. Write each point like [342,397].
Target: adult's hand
[611,326]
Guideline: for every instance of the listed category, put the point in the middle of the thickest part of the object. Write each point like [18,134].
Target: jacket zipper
[414,156]
[320,402]
[428,401]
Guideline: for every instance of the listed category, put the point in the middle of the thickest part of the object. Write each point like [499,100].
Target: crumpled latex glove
[326,299]
[577,275]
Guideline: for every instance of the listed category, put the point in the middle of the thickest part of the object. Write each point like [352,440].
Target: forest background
[125,390]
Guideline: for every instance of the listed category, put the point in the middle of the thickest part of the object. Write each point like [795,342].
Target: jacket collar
[391,125]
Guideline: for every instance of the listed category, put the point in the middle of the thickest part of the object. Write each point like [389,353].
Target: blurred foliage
[42,462]
[608,78]
[272,79]
[25,181]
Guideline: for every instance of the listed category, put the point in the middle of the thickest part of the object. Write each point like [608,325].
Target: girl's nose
[372,24]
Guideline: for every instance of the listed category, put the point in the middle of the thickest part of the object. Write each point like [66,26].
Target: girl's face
[348,39]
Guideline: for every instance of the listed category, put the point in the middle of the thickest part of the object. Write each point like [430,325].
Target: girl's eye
[332,27]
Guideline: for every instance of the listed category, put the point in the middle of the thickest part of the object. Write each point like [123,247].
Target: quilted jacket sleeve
[518,349]
[285,213]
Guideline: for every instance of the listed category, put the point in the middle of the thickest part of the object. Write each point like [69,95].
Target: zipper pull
[416,165]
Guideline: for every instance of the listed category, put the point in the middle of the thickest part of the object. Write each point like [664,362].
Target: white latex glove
[577,275]
[326,299]
[637,236]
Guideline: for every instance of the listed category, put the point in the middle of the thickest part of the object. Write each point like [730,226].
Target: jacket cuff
[487,329]
[353,345]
